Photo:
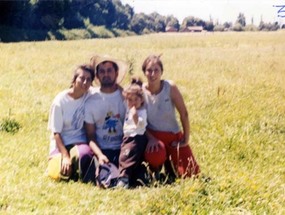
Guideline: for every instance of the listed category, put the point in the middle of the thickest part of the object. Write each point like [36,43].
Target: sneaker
[123,182]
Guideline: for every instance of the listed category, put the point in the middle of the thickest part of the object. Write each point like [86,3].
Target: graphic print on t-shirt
[111,122]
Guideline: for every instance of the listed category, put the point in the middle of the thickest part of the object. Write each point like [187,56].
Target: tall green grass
[234,89]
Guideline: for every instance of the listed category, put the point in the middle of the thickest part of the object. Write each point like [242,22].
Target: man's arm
[90,130]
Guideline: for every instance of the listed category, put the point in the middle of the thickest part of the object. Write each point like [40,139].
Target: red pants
[181,158]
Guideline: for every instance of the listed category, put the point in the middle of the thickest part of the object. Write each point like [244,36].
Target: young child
[134,141]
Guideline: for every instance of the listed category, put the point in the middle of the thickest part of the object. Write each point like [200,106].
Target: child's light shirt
[132,129]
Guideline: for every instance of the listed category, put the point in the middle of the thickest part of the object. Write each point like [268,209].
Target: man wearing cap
[104,118]
[105,110]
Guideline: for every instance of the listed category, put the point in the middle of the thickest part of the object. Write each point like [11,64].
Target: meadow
[234,89]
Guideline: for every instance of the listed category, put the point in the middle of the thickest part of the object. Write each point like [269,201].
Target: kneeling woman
[167,143]
[68,138]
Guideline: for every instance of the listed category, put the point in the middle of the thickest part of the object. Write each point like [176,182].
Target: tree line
[54,15]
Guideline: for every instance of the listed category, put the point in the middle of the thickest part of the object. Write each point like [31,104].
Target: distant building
[170,29]
[192,29]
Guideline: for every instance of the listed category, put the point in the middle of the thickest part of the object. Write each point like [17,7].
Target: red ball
[156,158]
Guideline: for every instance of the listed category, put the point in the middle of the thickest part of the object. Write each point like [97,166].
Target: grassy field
[234,88]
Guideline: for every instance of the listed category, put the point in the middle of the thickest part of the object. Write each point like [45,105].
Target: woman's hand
[179,144]
[66,168]
[152,145]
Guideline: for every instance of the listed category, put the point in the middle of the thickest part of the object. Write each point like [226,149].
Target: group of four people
[124,127]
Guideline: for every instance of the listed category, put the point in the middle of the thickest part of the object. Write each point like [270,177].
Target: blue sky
[221,10]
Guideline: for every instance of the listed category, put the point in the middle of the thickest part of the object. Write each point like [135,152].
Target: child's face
[134,101]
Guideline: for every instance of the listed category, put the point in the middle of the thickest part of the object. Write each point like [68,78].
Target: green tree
[98,11]
[123,15]
[268,26]
[238,27]
[192,21]
[219,28]
[138,23]
[157,22]
[72,17]
[227,25]
[188,21]
[172,21]
[15,13]
[49,14]
[241,20]
[209,26]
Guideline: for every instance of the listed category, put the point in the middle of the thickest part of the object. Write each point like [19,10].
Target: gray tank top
[160,110]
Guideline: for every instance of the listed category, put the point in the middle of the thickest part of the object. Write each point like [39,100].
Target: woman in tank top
[167,143]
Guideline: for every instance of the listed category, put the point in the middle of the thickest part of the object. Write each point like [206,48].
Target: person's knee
[156,158]
[184,161]
[54,167]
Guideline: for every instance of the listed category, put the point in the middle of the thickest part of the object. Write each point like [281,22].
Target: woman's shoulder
[171,85]
[169,82]
[61,95]
[168,86]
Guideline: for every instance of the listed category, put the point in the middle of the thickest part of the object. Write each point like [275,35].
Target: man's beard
[107,82]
